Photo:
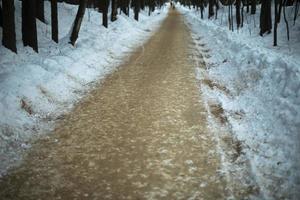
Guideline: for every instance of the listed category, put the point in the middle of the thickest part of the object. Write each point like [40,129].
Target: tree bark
[136,9]
[54,21]
[114,11]
[253,6]
[77,22]
[238,13]
[1,19]
[275,22]
[9,34]
[29,32]
[104,9]
[40,10]
[210,8]
[265,17]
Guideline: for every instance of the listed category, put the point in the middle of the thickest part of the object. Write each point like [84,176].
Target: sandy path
[142,135]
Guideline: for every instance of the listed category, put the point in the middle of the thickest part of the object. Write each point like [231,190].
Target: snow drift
[258,87]
[36,89]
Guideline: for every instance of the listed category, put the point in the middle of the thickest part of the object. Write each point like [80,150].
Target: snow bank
[36,89]
[258,86]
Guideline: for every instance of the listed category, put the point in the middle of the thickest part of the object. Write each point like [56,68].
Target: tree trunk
[1,20]
[104,6]
[210,8]
[253,6]
[114,11]
[275,22]
[136,9]
[242,15]
[40,10]
[77,22]
[238,13]
[217,8]
[265,17]
[248,3]
[29,32]
[54,21]
[9,34]
[142,4]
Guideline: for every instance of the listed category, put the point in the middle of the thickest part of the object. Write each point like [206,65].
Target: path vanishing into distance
[142,134]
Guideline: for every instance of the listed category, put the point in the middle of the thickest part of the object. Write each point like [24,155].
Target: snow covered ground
[257,87]
[37,89]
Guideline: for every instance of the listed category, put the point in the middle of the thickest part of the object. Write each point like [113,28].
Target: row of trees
[34,9]
[250,7]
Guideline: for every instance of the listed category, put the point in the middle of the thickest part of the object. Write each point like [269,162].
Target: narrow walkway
[142,135]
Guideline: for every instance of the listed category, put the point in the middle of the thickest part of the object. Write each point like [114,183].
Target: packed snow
[37,89]
[258,86]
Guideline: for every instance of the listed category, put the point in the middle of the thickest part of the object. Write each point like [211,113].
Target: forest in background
[242,7]
[34,9]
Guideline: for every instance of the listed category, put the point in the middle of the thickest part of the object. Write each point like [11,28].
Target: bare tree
[40,10]
[136,7]
[104,9]
[29,32]
[265,17]
[253,7]
[78,21]
[54,21]
[210,8]
[114,11]
[238,13]
[9,34]
[1,20]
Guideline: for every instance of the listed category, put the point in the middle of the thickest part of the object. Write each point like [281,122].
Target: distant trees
[34,9]
[265,22]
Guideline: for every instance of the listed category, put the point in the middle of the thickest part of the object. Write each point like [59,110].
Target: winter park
[150,99]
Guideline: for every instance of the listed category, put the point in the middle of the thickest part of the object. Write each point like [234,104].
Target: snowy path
[142,135]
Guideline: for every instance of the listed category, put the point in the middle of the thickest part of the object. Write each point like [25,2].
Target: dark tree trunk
[275,22]
[248,3]
[230,15]
[210,8]
[242,15]
[217,8]
[1,19]
[9,34]
[142,4]
[54,21]
[265,17]
[253,6]
[104,9]
[238,13]
[124,7]
[285,19]
[114,10]
[29,32]
[297,7]
[136,4]
[77,22]
[40,10]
